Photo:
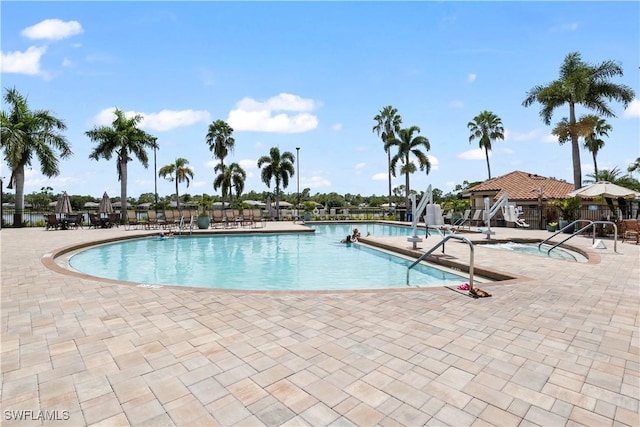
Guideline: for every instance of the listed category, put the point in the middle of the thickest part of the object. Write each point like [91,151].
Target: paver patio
[556,346]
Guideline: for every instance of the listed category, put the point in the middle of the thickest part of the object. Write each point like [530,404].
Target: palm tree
[230,177]
[590,127]
[122,138]
[486,126]
[277,166]
[597,127]
[220,140]
[408,144]
[583,84]
[25,133]
[635,166]
[388,125]
[177,172]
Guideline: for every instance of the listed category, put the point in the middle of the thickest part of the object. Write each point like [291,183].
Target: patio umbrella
[105,204]
[63,206]
[91,205]
[604,189]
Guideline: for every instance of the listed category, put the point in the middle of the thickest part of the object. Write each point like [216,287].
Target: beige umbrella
[604,189]
[63,206]
[105,204]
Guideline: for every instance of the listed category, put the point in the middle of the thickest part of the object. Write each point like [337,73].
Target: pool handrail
[430,251]
[575,233]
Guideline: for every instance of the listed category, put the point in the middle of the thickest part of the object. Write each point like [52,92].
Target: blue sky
[313,75]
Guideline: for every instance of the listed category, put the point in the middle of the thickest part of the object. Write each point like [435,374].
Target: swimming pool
[531,248]
[291,261]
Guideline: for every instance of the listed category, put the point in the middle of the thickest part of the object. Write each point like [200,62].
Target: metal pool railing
[440,243]
[591,224]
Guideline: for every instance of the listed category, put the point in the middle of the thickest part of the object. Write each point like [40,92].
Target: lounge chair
[461,222]
[217,218]
[133,221]
[631,230]
[258,218]
[477,218]
[51,221]
[113,220]
[94,221]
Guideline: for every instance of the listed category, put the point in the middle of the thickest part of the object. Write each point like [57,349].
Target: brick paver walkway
[557,346]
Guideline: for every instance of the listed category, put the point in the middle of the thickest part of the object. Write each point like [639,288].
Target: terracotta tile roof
[521,186]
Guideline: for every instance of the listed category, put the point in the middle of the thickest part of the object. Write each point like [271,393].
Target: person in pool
[356,235]
[347,240]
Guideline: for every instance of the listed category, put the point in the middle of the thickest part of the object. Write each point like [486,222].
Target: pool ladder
[591,224]
[181,225]
[441,243]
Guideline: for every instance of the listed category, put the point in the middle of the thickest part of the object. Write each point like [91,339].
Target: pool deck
[557,345]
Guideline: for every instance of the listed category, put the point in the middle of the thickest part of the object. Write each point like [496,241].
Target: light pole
[155,173]
[298,190]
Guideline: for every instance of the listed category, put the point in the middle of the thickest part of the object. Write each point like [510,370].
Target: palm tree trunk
[575,148]
[18,175]
[407,203]
[278,202]
[595,166]
[486,153]
[177,195]
[123,189]
[389,174]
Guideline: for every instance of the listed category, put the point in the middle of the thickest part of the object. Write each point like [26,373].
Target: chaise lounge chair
[631,230]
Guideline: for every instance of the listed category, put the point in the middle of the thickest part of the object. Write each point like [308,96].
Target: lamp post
[155,173]
[298,174]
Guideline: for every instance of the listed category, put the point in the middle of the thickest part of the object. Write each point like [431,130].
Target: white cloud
[361,165]
[336,127]
[267,116]
[633,110]
[381,176]
[569,26]
[162,121]
[314,182]
[211,164]
[456,104]
[248,164]
[510,135]
[435,163]
[67,62]
[27,62]
[477,154]
[471,78]
[52,29]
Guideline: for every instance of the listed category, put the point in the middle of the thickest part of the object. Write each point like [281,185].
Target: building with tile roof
[532,192]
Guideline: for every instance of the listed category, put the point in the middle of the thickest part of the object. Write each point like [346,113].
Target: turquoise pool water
[532,249]
[295,261]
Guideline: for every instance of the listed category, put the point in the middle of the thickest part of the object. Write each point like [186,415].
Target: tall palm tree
[635,166]
[123,138]
[388,125]
[408,145]
[220,141]
[590,127]
[177,172]
[487,127]
[25,134]
[277,166]
[230,178]
[597,127]
[580,83]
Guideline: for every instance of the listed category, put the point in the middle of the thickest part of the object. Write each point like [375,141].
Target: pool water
[532,249]
[289,261]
